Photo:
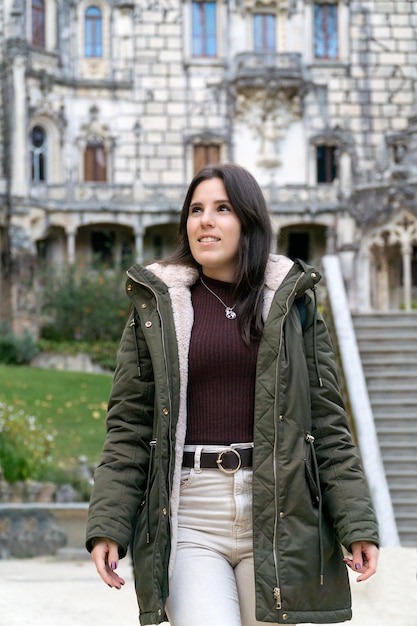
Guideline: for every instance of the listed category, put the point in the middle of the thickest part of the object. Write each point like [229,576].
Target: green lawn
[71,404]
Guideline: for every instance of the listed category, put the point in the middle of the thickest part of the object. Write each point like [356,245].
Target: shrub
[101,353]
[16,349]
[84,305]
[24,446]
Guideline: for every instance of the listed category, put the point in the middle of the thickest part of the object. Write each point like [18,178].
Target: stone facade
[109,106]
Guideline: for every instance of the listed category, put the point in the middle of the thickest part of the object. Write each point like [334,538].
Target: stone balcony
[156,198]
[257,70]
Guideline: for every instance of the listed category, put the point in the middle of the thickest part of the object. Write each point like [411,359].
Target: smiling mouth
[209,240]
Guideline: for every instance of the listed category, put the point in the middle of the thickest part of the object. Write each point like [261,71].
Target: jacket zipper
[152,445]
[277,588]
[166,367]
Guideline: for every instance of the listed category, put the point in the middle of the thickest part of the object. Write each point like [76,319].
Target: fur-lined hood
[178,278]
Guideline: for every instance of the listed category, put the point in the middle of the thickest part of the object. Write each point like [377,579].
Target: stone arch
[303,240]
[392,258]
[159,241]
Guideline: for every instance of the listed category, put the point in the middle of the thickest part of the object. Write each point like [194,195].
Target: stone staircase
[388,347]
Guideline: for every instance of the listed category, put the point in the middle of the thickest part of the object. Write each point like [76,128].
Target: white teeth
[208,239]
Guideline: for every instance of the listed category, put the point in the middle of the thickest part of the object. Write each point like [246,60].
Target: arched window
[93,26]
[38,149]
[38,23]
[95,161]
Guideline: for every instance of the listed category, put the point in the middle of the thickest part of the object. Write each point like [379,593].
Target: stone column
[71,247]
[363,282]
[407,286]
[19,142]
[139,245]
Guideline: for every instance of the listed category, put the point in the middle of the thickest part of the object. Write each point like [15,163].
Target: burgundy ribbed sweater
[221,383]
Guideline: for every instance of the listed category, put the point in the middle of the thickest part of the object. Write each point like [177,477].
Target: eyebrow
[215,202]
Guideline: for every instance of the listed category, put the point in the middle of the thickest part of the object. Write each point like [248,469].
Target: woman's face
[213,230]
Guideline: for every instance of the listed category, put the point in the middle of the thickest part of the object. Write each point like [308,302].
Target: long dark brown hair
[249,204]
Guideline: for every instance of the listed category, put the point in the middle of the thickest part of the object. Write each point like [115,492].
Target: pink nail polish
[113,565]
[358,566]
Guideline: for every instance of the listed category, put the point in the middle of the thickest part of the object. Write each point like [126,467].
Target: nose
[207,218]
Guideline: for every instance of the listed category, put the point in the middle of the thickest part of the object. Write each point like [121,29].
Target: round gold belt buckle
[219,461]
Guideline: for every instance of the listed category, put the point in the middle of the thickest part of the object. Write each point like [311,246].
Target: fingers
[105,555]
[364,559]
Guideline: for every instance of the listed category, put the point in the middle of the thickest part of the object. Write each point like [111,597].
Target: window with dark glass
[102,243]
[204,36]
[95,161]
[38,23]
[264,32]
[206,154]
[93,27]
[326,164]
[38,146]
[326,40]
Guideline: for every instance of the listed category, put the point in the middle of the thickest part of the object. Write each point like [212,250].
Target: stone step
[387,320]
[388,348]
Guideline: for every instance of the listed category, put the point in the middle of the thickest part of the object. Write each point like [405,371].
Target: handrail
[359,401]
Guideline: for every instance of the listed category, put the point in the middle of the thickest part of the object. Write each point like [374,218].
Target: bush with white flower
[25,447]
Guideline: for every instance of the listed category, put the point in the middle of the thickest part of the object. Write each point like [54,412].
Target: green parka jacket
[309,492]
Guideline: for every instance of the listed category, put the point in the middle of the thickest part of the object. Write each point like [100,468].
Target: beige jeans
[213,578]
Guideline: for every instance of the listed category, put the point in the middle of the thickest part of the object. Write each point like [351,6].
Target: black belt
[228,461]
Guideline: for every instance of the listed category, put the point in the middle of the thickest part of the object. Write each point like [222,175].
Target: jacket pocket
[311,472]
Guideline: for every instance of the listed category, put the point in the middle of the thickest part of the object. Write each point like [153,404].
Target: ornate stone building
[109,106]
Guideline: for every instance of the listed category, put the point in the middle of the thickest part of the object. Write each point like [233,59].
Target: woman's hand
[364,559]
[105,555]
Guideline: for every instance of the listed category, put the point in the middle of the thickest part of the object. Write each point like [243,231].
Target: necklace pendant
[230,314]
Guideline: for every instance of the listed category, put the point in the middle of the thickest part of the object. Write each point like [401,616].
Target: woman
[228,448]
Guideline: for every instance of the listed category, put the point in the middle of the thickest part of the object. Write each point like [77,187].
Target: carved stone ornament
[287,6]
[269,119]
[170,9]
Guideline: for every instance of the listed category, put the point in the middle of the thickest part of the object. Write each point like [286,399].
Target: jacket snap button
[285,616]
[143,306]
[313,274]
[165,411]
[148,324]
[282,514]
[129,287]
[164,511]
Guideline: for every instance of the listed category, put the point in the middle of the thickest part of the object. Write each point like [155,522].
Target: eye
[194,209]
[224,207]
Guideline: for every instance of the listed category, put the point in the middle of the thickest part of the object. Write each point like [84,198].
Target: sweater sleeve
[121,477]
[346,497]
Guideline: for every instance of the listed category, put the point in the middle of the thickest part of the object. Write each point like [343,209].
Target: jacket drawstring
[310,439]
[316,358]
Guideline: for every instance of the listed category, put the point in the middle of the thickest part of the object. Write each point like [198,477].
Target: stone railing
[41,518]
